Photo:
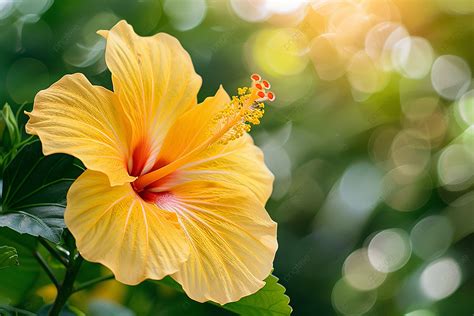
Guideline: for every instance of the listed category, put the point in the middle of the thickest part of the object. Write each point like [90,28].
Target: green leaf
[11,135]
[268,301]
[17,282]
[34,192]
[8,257]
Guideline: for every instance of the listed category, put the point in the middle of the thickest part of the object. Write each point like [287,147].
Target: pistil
[231,123]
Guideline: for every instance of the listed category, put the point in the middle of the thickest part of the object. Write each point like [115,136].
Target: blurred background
[371,138]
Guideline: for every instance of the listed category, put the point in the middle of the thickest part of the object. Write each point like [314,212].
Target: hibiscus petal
[238,162]
[115,227]
[155,81]
[74,117]
[231,236]
[192,128]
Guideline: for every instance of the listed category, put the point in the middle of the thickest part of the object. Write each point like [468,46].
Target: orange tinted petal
[115,227]
[74,117]
[154,79]
[237,162]
[192,128]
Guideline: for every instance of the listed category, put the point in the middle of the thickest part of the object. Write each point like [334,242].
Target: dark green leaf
[17,282]
[268,301]
[34,192]
[8,257]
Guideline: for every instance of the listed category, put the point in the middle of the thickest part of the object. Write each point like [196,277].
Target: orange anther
[271,96]
[256,77]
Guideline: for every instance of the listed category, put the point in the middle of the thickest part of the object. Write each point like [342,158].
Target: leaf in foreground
[8,257]
[270,300]
[17,282]
[34,192]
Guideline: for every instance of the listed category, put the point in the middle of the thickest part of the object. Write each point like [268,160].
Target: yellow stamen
[229,124]
[238,116]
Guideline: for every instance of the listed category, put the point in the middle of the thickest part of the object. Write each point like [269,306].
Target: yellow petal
[192,128]
[115,227]
[238,162]
[155,81]
[74,117]
[232,239]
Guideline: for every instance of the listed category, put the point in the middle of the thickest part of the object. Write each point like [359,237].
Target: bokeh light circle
[389,250]
[450,76]
[420,108]
[380,42]
[410,153]
[376,38]
[350,301]
[285,6]
[441,278]
[456,167]
[280,52]
[36,7]
[279,162]
[383,10]
[328,61]
[431,236]
[412,57]
[185,15]
[380,144]
[405,193]
[364,75]
[6,8]
[360,187]
[421,312]
[466,107]
[87,49]
[359,272]
[250,10]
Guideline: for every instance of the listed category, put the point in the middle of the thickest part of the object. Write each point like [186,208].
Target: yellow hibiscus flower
[172,187]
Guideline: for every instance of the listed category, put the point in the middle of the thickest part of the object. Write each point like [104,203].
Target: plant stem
[46,268]
[53,252]
[66,288]
[92,282]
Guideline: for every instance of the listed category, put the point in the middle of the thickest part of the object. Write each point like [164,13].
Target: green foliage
[268,301]
[8,257]
[66,311]
[11,133]
[17,281]
[12,311]
[34,192]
